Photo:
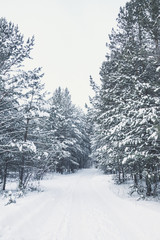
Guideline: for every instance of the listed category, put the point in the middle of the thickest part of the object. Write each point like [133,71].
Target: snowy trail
[80,206]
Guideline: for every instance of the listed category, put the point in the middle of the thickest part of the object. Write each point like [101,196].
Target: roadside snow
[80,206]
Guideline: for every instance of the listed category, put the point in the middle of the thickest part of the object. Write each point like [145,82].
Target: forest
[120,133]
[37,134]
[126,107]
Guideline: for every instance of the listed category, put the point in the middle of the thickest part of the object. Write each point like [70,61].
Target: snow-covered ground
[81,206]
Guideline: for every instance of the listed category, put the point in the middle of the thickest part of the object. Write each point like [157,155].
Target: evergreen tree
[67,133]
[16,88]
[127,112]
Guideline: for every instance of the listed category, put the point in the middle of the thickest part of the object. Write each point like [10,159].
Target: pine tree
[127,111]
[17,90]
[69,146]
[30,111]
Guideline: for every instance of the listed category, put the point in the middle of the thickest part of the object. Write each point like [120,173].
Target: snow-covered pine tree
[31,110]
[20,94]
[69,142]
[13,51]
[127,113]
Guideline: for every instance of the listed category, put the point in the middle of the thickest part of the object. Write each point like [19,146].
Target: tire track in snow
[63,208]
[27,217]
[79,207]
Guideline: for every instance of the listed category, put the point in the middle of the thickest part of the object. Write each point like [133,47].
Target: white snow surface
[80,206]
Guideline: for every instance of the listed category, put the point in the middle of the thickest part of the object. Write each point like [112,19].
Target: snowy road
[78,207]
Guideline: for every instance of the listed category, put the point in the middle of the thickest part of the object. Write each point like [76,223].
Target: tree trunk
[140,175]
[123,175]
[5,176]
[135,180]
[21,173]
[148,185]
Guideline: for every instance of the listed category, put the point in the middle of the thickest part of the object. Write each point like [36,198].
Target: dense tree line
[126,107]
[36,135]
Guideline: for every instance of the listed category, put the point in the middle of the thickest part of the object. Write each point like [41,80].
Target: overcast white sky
[70,38]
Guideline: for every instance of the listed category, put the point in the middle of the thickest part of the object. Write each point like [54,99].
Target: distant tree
[69,140]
